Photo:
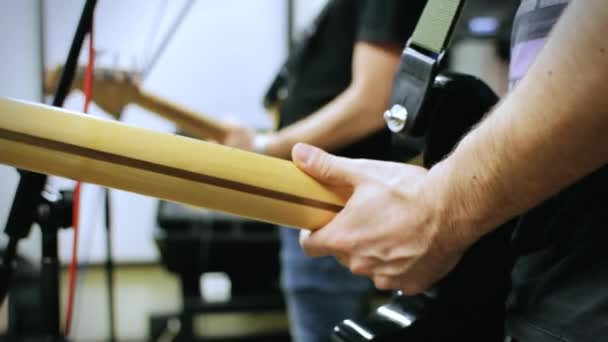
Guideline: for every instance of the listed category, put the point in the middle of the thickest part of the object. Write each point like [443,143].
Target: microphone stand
[109,266]
[32,204]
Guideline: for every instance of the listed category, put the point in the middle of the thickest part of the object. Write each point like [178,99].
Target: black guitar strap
[436,25]
[419,63]
[278,88]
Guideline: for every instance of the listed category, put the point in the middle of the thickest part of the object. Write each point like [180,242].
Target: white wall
[220,62]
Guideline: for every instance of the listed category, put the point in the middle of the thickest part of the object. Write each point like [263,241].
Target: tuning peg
[116,72]
[134,72]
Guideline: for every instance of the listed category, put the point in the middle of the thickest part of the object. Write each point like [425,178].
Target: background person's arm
[355,113]
[406,228]
[352,115]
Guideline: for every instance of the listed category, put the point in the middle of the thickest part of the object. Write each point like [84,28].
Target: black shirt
[323,68]
[560,278]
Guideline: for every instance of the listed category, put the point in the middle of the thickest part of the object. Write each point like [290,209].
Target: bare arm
[406,227]
[549,132]
[352,115]
[355,113]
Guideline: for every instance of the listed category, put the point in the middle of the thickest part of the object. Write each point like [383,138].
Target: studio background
[219,62]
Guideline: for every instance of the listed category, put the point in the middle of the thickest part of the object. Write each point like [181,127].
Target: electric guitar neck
[54,141]
[114,89]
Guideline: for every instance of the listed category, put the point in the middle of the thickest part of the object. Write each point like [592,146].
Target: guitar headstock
[112,89]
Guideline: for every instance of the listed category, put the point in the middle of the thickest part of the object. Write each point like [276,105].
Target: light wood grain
[34,137]
[197,124]
[113,90]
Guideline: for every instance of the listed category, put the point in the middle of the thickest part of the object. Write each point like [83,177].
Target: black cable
[67,76]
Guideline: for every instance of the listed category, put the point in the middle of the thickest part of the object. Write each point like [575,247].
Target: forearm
[347,118]
[355,113]
[548,133]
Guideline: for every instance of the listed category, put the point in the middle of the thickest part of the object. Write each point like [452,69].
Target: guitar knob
[396,118]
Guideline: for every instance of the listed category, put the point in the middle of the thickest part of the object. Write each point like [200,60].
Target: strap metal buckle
[413,80]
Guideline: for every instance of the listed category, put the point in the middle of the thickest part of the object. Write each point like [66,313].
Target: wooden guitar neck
[54,141]
[196,124]
[113,90]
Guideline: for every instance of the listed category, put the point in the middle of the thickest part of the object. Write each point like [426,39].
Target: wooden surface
[54,141]
[198,125]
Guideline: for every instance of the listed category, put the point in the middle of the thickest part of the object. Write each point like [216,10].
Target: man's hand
[239,136]
[392,229]
[245,138]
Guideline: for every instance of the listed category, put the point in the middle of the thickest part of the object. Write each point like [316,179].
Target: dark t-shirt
[323,69]
[560,278]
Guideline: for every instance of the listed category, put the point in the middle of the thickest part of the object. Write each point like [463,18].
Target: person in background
[338,85]
[541,153]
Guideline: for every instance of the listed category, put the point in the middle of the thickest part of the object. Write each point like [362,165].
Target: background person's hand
[239,136]
[392,229]
[245,138]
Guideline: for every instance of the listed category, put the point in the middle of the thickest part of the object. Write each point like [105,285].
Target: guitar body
[468,304]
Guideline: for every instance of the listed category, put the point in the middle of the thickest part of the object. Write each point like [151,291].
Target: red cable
[88,90]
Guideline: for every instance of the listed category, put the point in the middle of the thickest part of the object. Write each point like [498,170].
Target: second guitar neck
[195,124]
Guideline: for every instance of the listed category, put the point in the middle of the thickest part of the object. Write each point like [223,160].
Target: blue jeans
[319,292]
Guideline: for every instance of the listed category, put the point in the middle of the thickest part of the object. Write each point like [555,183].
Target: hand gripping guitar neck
[468,304]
